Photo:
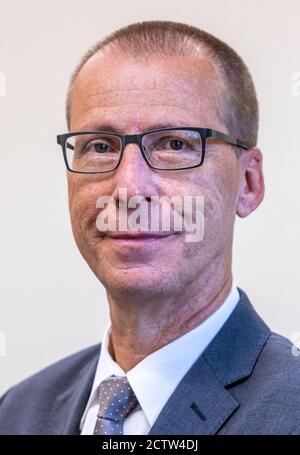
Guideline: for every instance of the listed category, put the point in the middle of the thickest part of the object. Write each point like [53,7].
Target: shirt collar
[158,374]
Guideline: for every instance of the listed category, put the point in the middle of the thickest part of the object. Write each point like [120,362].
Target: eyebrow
[154,126]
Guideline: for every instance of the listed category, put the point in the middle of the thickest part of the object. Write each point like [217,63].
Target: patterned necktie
[117,400]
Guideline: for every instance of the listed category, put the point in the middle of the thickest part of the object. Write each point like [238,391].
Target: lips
[137,236]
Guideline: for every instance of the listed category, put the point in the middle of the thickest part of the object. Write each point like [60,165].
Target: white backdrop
[51,303]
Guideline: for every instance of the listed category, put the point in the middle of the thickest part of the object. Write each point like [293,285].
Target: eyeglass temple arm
[59,141]
[227,138]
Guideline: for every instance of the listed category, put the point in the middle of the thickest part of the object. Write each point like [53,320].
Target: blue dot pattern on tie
[116,401]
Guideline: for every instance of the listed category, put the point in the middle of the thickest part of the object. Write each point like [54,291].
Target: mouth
[138,238]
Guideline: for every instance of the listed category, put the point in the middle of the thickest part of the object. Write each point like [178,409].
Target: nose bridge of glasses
[132,161]
[132,139]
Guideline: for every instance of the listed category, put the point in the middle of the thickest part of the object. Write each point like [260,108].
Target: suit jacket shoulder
[269,398]
[26,407]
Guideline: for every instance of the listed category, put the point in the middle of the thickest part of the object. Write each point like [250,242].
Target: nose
[135,175]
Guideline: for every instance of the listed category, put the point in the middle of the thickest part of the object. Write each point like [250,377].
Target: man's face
[133,97]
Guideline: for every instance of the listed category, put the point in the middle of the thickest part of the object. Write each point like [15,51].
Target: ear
[252,186]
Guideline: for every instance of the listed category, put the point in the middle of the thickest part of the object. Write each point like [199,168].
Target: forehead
[132,92]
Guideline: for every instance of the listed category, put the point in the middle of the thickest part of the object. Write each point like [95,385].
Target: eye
[176,144]
[100,147]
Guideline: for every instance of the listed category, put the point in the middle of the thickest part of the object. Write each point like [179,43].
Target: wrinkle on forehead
[113,71]
[126,119]
[110,82]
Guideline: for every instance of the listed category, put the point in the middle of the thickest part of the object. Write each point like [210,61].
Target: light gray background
[51,303]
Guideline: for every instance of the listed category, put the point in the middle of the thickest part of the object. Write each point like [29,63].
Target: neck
[138,329]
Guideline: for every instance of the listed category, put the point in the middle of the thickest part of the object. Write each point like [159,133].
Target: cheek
[218,184]
[82,204]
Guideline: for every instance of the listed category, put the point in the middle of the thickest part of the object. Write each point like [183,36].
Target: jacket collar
[201,402]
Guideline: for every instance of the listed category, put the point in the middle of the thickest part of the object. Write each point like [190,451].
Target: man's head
[163,73]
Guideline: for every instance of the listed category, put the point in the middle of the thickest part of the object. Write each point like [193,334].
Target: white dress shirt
[155,378]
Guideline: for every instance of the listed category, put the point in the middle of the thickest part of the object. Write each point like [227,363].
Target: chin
[132,282]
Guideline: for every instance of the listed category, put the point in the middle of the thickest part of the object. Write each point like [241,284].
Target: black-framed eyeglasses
[167,149]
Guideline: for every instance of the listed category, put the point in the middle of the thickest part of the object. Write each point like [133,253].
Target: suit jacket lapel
[70,404]
[201,403]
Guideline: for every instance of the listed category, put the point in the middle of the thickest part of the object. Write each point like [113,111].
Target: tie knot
[116,398]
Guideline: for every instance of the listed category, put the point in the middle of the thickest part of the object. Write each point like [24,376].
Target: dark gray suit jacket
[246,382]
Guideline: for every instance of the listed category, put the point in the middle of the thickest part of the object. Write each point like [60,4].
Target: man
[185,352]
